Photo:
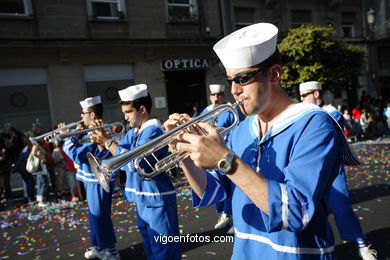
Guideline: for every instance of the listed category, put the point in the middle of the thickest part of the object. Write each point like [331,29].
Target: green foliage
[312,53]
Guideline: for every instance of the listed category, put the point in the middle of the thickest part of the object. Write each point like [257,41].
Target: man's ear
[316,94]
[93,115]
[142,109]
[275,73]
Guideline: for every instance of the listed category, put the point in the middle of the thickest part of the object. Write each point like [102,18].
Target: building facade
[55,53]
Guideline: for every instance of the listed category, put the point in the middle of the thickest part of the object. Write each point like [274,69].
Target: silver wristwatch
[108,143]
[226,163]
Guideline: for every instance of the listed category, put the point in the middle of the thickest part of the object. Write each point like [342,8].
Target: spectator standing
[5,171]
[42,174]
[386,113]
[356,114]
[27,178]
[65,173]
[348,124]
[365,121]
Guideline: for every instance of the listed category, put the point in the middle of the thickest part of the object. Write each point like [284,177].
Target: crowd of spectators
[368,120]
[56,183]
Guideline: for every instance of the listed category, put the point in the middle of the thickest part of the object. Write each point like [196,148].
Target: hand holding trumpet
[202,142]
[99,135]
[102,134]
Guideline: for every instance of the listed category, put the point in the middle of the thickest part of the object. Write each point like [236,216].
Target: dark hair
[97,109]
[275,58]
[143,101]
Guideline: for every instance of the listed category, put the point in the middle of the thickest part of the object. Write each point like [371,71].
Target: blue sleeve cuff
[287,209]
[214,192]
[273,221]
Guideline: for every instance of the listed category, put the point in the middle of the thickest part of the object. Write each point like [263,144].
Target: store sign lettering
[184,64]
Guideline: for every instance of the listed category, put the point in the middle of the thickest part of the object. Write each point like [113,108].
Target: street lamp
[371,18]
[371,15]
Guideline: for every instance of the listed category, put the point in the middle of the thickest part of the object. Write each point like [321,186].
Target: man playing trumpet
[155,199]
[99,201]
[278,164]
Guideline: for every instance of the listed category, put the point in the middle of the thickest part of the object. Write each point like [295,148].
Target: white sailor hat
[216,87]
[90,101]
[247,46]
[133,92]
[310,85]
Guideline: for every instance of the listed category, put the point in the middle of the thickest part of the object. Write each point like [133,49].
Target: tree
[311,52]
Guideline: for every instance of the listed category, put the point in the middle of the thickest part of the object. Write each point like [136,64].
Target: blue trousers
[42,185]
[28,184]
[225,206]
[99,205]
[159,221]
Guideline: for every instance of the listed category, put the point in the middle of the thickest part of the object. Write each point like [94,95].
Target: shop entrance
[185,88]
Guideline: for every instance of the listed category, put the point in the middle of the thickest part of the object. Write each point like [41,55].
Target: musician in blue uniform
[278,164]
[99,201]
[155,199]
[338,200]
[225,119]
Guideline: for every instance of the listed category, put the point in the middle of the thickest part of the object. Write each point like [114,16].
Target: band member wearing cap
[338,198]
[155,199]
[279,163]
[99,201]
[226,119]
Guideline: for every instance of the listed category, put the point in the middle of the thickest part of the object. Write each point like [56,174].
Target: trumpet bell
[101,175]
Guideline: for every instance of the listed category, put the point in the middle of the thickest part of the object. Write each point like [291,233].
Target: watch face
[224,166]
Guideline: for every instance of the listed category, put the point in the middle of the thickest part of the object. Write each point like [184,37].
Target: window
[24,99]
[183,11]
[299,17]
[348,24]
[106,9]
[384,57]
[388,10]
[15,7]
[244,16]
[105,81]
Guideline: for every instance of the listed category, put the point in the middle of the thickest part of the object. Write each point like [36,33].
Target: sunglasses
[244,78]
[306,94]
[217,94]
[83,113]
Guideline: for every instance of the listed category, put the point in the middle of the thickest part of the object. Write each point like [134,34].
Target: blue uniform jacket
[299,157]
[78,153]
[157,192]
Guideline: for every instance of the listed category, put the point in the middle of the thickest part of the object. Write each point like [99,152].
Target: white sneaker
[42,204]
[92,252]
[367,254]
[109,256]
[230,231]
[223,221]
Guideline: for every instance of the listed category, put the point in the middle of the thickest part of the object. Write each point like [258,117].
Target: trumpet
[105,169]
[114,129]
[51,136]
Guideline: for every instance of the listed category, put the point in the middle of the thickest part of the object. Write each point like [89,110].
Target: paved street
[61,230]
